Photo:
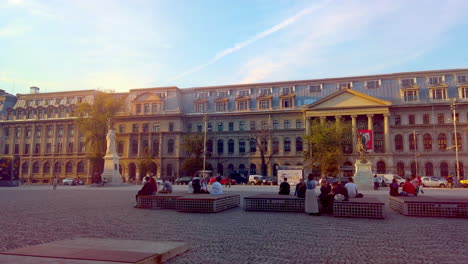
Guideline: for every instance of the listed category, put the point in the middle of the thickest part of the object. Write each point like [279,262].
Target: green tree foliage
[327,142]
[92,123]
[193,146]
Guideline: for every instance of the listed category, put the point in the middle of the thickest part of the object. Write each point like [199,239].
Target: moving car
[183,180]
[433,182]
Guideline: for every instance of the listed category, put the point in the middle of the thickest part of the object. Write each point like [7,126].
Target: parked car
[433,182]
[183,180]
[267,180]
[464,182]
[69,181]
[401,181]
[255,179]
[225,181]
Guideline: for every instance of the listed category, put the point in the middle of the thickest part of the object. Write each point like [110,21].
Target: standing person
[352,189]
[394,188]
[376,183]
[228,181]
[326,197]
[311,204]
[450,182]
[284,188]
[217,188]
[420,184]
[55,182]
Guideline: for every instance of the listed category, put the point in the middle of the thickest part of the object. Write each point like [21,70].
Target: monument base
[363,177]
[111,174]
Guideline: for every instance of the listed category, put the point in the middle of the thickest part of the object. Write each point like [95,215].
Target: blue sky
[123,44]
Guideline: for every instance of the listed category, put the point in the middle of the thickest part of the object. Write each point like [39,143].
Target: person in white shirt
[190,187]
[167,186]
[217,188]
[352,189]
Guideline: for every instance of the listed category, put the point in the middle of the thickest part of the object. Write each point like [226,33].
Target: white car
[433,182]
[68,181]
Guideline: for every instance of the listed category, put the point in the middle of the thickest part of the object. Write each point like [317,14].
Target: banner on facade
[365,136]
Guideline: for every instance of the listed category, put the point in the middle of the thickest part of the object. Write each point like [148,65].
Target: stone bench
[366,207]
[274,203]
[159,201]
[207,203]
[430,206]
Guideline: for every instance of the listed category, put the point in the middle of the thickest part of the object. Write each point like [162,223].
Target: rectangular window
[439,94]
[49,131]
[265,91]
[70,147]
[286,103]
[397,120]
[81,147]
[71,130]
[48,148]
[199,127]
[264,104]
[60,131]
[221,106]
[426,120]
[440,119]
[275,124]
[28,132]
[134,128]
[156,127]
[436,80]
[407,82]
[287,124]
[16,149]
[411,120]
[242,146]
[200,107]
[18,132]
[241,125]
[7,149]
[155,108]
[462,79]
[231,126]
[122,129]
[138,108]
[264,125]
[37,148]
[220,126]
[346,85]
[409,96]
[59,148]
[171,127]
[243,93]
[161,94]
[203,95]
[6,131]
[38,132]
[189,128]
[373,84]
[147,108]
[316,88]
[26,148]
[287,90]
[242,105]
[298,123]
[252,125]
[146,127]
[223,94]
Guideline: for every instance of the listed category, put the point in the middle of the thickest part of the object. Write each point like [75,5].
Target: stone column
[370,126]
[387,133]
[464,146]
[353,129]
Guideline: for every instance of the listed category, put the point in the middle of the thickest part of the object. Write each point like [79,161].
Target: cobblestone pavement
[33,215]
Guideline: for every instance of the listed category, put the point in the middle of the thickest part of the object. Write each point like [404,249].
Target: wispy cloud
[238,46]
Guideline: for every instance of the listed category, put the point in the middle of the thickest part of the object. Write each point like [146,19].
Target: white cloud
[14,30]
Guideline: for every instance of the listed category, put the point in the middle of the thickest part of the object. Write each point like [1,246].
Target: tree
[328,142]
[193,145]
[92,123]
[261,138]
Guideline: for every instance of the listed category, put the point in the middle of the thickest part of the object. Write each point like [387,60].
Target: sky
[121,44]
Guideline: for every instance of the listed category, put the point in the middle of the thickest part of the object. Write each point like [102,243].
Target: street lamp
[453,106]
[205,118]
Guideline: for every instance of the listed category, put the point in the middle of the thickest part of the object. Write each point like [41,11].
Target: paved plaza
[32,215]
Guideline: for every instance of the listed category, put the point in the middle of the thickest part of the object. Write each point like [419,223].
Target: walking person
[311,204]
[55,182]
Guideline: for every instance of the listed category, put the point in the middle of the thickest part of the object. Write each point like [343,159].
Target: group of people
[412,187]
[151,187]
[200,185]
[328,193]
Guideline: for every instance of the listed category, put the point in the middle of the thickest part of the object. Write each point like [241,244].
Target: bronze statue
[361,148]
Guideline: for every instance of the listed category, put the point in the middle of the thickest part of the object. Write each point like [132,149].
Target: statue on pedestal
[361,147]
[110,139]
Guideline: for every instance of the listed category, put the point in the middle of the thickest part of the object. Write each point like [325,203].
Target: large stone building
[411,115]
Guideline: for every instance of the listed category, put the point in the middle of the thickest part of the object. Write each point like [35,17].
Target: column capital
[386,114]
[353,116]
[370,115]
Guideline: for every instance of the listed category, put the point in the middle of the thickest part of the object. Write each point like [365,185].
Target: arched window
[35,168]
[169,170]
[287,145]
[25,168]
[46,168]
[209,146]
[275,145]
[398,143]
[80,167]
[298,144]
[381,167]
[156,148]
[242,169]
[429,169]
[231,146]
[220,169]
[69,167]
[253,169]
[412,142]
[442,141]
[400,167]
[58,167]
[427,140]
[120,148]
[230,169]
[220,146]
[170,146]
[459,141]
[253,145]
[443,169]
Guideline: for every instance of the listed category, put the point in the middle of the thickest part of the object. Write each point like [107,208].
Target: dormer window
[221,106]
[410,95]
[264,104]
[161,94]
[436,80]
[200,107]
[315,88]
[243,92]
[203,95]
[287,90]
[462,79]
[438,93]
[223,94]
[287,103]
[265,91]
[242,105]
[346,85]
[408,82]
[373,84]
[463,92]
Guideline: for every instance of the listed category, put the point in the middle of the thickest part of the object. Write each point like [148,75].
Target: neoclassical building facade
[413,117]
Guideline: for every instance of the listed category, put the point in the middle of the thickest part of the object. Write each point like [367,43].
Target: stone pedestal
[111,172]
[363,177]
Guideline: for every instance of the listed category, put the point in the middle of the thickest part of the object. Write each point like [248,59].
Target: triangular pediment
[347,99]
[147,97]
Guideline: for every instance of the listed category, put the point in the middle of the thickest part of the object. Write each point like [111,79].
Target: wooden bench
[159,201]
[366,207]
[430,206]
[207,203]
[274,203]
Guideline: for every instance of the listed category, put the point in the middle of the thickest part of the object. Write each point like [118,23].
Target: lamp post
[416,153]
[453,106]
[205,118]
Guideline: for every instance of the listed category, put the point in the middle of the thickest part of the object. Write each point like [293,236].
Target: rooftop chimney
[34,90]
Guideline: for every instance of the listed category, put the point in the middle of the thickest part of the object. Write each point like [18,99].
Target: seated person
[408,189]
[326,197]
[352,189]
[339,190]
[284,188]
[167,186]
[196,184]
[190,187]
[394,188]
[300,189]
[147,189]
[155,186]
[217,188]
[204,186]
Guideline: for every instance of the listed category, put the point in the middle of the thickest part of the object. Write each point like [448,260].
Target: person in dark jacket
[326,197]
[147,189]
[300,189]
[339,189]
[394,188]
[284,188]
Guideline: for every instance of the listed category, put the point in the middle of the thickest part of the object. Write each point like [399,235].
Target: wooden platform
[93,250]
[366,207]
[430,206]
[207,203]
[274,203]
